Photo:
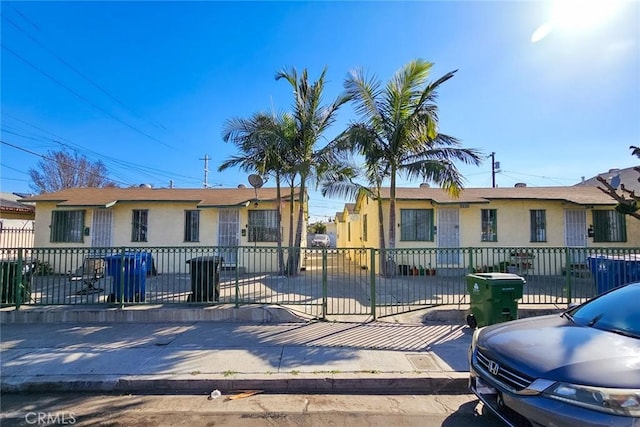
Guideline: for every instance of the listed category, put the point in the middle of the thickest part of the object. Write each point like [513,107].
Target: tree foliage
[62,169]
[628,201]
[398,135]
[317,228]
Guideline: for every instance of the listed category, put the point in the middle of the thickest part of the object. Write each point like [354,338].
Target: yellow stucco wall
[513,224]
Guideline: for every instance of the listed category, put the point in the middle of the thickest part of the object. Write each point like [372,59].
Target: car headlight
[474,337]
[617,401]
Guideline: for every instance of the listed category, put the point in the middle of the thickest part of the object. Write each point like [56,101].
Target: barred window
[609,226]
[489,224]
[263,226]
[538,225]
[139,225]
[67,226]
[416,225]
[191,226]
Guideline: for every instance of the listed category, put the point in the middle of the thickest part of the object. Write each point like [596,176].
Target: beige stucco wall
[165,228]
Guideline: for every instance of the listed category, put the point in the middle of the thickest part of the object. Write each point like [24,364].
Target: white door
[448,235]
[101,228]
[575,233]
[228,234]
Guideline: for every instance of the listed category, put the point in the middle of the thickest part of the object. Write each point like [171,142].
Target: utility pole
[495,167]
[206,159]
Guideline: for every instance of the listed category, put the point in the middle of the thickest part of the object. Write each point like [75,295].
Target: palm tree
[263,141]
[399,133]
[311,120]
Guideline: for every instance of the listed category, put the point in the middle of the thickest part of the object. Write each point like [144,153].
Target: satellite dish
[256,181]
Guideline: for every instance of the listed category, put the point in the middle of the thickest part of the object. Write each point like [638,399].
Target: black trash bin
[205,278]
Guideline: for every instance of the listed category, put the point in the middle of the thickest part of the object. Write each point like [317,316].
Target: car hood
[555,348]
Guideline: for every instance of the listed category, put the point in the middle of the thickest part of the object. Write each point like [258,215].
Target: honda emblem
[493,367]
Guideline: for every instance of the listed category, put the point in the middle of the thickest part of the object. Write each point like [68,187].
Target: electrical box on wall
[244,232]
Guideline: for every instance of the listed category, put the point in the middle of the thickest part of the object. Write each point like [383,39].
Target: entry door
[448,233]
[575,233]
[101,228]
[228,234]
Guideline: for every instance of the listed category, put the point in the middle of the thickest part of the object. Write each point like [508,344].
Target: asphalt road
[245,410]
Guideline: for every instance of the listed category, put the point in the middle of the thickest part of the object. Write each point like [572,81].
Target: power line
[87,101]
[77,147]
[74,69]
[49,158]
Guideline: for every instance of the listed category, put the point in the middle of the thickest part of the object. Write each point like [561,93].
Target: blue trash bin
[132,286]
[611,271]
[632,268]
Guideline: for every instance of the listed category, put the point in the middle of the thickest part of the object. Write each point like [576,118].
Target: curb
[148,314]
[384,383]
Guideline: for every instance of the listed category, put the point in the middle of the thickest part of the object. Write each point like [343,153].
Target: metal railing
[343,281]
[16,237]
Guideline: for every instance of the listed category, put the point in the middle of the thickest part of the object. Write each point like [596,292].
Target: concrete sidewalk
[292,355]
[199,349]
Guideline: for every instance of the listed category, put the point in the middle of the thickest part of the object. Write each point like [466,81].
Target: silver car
[578,368]
[321,240]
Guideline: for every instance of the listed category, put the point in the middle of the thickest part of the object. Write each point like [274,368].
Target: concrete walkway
[290,355]
[228,349]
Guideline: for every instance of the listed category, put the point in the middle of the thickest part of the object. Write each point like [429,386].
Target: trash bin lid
[497,276]
[206,258]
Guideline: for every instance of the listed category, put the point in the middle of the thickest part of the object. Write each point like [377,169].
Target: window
[67,226]
[139,225]
[191,226]
[609,226]
[416,224]
[364,227]
[263,226]
[538,225]
[489,224]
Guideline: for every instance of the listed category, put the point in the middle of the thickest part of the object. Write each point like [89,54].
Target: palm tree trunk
[279,223]
[387,267]
[392,209]
[295,264]
[291,219]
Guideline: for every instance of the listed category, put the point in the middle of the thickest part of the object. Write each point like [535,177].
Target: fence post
[325,284]
[567,263]
[372,275]
[122,277]
[237,286]
[18,286]
[471,268]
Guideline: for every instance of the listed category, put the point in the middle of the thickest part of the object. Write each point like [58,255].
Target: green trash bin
[10,289]
[494,297]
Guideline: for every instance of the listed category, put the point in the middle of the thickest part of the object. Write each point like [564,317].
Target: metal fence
[16,237]
[344,281]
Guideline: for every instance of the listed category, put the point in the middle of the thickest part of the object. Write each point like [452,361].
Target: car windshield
[617,311]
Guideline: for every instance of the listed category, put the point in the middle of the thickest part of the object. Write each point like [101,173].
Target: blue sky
[147,86]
